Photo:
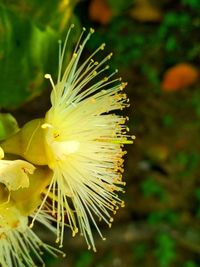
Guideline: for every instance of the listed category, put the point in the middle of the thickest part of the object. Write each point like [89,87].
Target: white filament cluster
[18,241]
[84,141]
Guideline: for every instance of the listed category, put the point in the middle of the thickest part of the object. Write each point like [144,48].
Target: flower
[17,239]
[20,195]
[81,140]
[84,141]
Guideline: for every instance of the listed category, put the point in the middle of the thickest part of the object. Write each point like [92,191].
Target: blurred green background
[156,47]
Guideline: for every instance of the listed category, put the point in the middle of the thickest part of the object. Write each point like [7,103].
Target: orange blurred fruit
[100,11]
[179,76]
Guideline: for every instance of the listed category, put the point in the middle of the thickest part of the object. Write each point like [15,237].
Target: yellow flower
[17,239]
[20,195]
[84,142]
[81,140]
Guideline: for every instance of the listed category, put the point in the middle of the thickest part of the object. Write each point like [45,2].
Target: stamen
[61,58]
[85,140]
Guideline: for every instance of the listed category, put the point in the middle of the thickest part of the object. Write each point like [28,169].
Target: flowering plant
[71,161]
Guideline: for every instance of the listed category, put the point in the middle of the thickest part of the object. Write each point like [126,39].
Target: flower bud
[28,143]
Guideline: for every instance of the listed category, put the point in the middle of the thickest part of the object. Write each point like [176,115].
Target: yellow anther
[123,204]
[47,76]
[31,225]
[94,73]
[102,46]
[109,56]
[46,125]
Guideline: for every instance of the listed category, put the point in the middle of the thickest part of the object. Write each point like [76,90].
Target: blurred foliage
[165,250]
[191,3]
[167,216]
[28,46]
[84,260]
[190,264]
[134,43]
[152,188]
[166,192]
[119,6]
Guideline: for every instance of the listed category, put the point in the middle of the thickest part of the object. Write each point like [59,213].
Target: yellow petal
[14,173]
[28,199]
[28,143]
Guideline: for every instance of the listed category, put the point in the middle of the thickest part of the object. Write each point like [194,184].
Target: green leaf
[8,125]
[54,14]
[29,46]
[26,54]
